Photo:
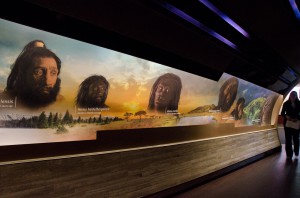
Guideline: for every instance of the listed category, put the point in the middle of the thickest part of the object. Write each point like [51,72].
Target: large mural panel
[56,89]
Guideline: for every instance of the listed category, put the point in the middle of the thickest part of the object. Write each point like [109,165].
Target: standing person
[290,112]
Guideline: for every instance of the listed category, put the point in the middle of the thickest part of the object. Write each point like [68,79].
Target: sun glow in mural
[131,106]
[58,89]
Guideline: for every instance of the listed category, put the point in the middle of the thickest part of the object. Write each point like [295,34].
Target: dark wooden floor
[273,176]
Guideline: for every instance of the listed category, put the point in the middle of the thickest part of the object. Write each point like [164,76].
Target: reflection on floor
[281,135]
[273,176]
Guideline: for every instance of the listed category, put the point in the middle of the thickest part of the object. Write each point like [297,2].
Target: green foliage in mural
[254,108]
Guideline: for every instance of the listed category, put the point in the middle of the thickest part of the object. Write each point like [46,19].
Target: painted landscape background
[130,82]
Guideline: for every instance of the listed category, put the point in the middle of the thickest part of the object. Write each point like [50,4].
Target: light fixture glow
[295,8]
[225,17]
[195,22]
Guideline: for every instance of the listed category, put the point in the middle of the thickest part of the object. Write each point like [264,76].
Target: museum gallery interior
[147,98]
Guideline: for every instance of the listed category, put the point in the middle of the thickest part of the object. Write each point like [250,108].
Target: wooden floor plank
[273,176]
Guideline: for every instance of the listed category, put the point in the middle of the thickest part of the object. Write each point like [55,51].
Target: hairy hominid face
[42,77]
[227,94]
[164,94]
[97,91]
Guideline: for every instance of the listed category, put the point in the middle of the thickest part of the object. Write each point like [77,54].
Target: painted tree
[127,115]
[140,113]
[106,120]
[71,120]
[68,118]
[42,122]
[79,119]
[35,120]
[50,120]
[22,122]
[99,119]
[55,120]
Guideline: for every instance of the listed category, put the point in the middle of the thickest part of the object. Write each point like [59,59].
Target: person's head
[227,94]
[165,93]
[34,77]
[93,92]
[293,96]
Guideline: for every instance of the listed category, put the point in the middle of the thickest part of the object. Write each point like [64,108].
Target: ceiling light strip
[225,18]
[195,22]
[295,8]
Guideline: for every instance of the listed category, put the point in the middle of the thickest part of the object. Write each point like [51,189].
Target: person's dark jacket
[288,110]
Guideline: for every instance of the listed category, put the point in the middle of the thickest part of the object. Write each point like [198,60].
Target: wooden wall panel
[133,173]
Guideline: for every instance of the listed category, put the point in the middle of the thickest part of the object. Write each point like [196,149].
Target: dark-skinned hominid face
[97,90]
[164,94]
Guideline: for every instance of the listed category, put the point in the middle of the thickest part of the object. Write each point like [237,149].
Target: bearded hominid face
[43,76]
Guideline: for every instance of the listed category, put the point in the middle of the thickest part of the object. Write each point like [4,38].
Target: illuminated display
[56,89]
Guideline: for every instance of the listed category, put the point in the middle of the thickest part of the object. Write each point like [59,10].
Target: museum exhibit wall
[79,119]
[132,173]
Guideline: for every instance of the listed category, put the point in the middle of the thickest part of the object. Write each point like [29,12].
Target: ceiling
[193,35]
